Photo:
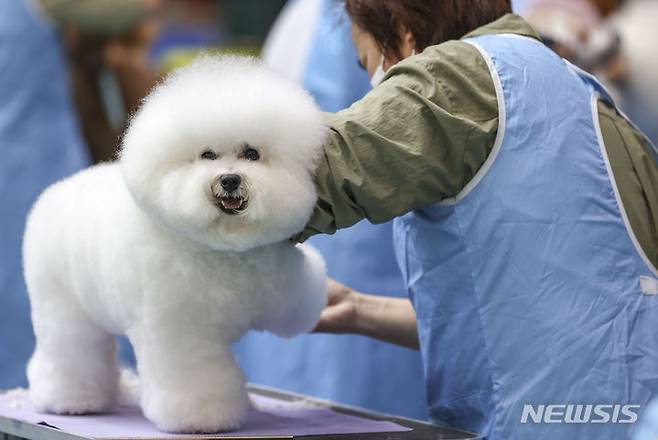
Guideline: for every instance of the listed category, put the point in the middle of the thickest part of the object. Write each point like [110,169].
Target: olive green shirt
[424,132]
[102,17]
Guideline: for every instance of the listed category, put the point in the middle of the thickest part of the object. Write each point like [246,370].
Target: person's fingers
[336,292]
[337,314]
[337,319]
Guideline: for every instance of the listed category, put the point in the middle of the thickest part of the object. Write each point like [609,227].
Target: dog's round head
[223,152]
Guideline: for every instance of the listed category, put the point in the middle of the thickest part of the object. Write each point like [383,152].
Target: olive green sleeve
[417,138]
[635,169]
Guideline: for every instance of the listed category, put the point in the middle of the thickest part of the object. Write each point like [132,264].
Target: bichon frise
[182,246]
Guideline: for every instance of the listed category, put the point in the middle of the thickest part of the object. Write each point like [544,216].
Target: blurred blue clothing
[647,426]
[332,72]
[39,144]
[519,6]
[346,368]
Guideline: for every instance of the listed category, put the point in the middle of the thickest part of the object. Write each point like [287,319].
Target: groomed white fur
[142,248]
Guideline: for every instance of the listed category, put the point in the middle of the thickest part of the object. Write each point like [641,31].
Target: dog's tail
[130,389]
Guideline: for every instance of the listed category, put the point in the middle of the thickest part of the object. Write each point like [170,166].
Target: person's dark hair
[430,21]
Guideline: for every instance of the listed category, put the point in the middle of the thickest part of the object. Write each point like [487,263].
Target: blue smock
[529,286]
[344,368]
[39,143]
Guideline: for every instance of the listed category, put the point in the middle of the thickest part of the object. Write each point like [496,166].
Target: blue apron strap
[604,94]
[594,83]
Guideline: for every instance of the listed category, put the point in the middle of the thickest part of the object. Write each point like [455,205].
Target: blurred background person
[41,139]
[212,26]
[578,30]
[636,23]
[311,44]
[612,39]
[108,45]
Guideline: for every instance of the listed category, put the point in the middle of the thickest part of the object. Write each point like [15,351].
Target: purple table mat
[268,417]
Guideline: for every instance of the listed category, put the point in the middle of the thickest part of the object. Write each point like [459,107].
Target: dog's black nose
[230,182]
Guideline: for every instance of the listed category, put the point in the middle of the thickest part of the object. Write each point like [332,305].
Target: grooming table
[274,414]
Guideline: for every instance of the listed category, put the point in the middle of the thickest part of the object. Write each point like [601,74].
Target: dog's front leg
[190,380]
[302,295]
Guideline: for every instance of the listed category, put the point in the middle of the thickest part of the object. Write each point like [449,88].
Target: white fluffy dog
[182,246]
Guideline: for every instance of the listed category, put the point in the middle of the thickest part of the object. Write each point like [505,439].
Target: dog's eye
[208,155]
[250,154]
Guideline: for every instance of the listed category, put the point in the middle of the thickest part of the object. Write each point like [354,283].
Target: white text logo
[579,413]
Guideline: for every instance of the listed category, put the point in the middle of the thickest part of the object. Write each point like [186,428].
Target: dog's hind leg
[74,367]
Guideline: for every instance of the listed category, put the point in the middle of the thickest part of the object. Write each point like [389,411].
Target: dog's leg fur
[190,380]
[305,294]
[74,368]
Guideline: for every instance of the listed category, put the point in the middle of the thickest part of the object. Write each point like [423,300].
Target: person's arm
[416,139]
[99,34]
[389,319]
[635,167]
[127,58]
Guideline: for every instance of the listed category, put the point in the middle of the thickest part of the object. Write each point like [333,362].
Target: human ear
[408,45]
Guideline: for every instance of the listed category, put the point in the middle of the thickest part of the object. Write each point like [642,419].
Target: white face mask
[378,76]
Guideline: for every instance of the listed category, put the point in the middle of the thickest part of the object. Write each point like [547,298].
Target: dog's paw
[70,399]
[58,390]
[197,414]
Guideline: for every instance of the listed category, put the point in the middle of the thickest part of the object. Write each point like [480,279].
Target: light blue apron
[39,144]
[529,286]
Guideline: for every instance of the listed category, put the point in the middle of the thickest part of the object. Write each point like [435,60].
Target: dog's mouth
[232,205]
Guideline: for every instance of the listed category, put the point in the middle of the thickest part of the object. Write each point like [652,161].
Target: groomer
[527,229]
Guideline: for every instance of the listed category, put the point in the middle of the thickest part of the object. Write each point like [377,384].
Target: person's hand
[340,314]
[389,319]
